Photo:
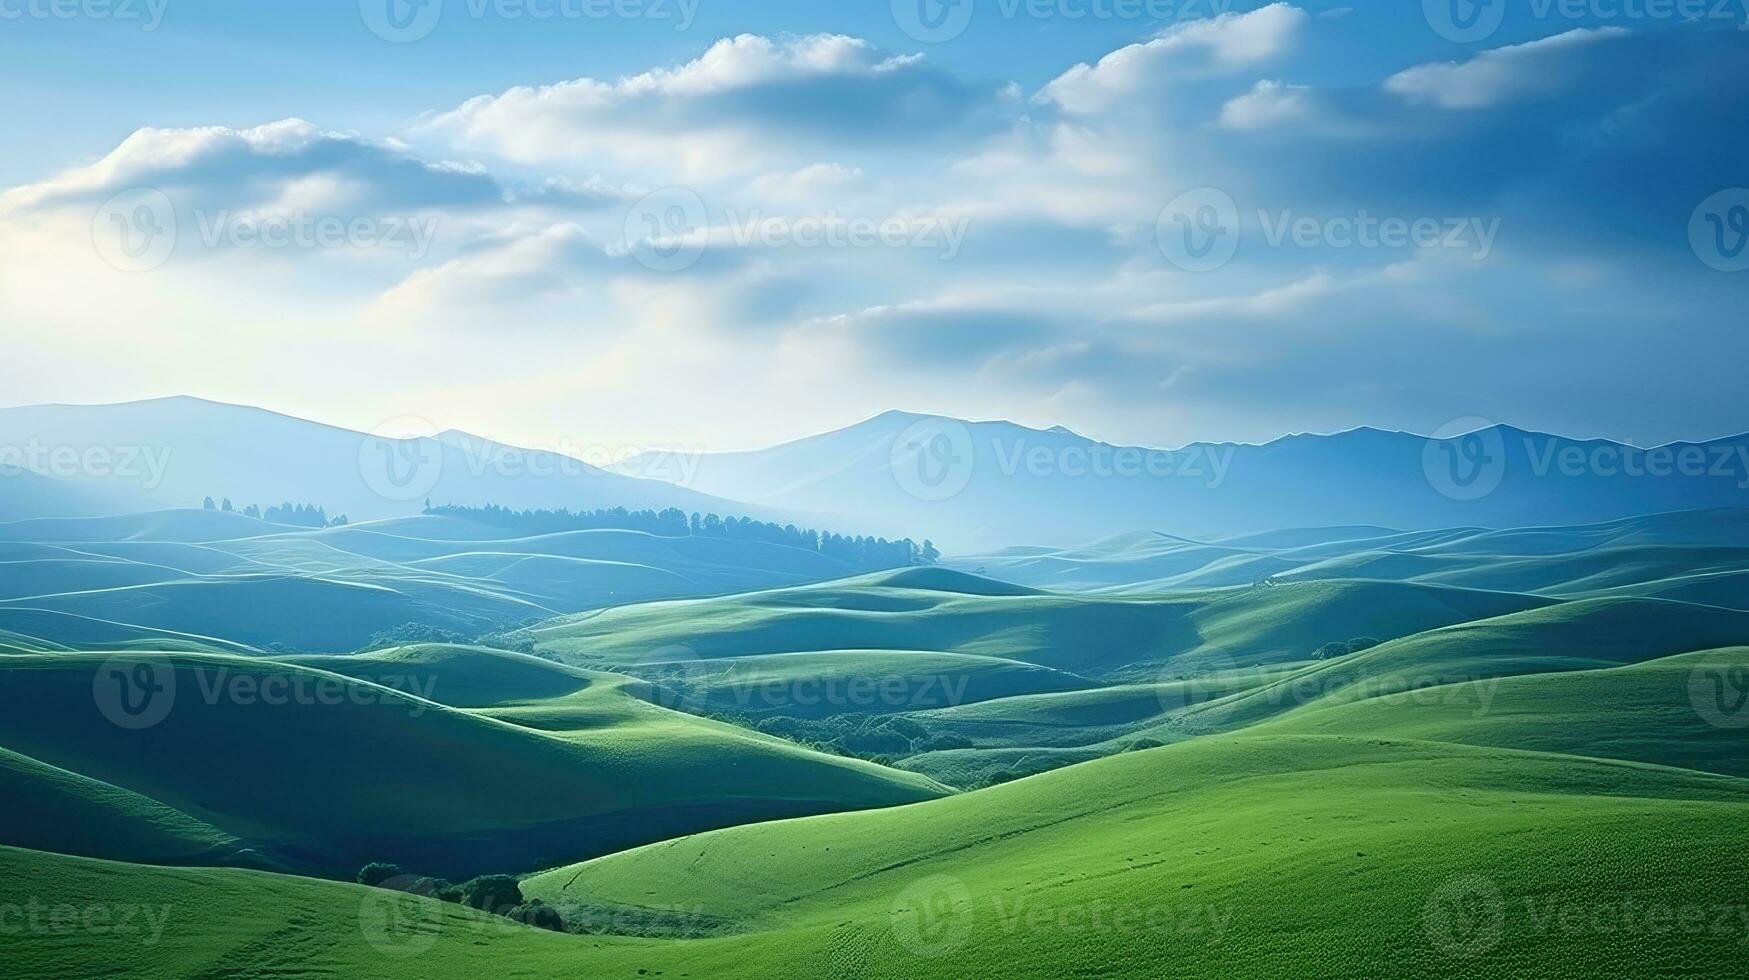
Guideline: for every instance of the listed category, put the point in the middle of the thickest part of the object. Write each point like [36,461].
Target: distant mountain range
[100,460]
[971,486]
[974,485]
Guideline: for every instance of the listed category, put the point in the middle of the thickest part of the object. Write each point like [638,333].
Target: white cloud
[1496,76]
[1218,45]
[740,106]
[1269,105]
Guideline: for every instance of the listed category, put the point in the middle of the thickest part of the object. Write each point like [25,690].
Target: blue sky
[789,216]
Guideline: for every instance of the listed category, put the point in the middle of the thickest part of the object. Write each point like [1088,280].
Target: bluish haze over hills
[970,486]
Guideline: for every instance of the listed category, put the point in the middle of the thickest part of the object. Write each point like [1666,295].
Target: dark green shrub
[492,893]
[377,872]
[538,914]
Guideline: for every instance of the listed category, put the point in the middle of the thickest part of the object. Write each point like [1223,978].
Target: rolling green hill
[1583,635]
[1094,636]
[325,772]
[1634,556]
[1654,712]
[93,582]
[1230,856]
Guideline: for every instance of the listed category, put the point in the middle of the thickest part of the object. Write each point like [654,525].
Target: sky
[721,226]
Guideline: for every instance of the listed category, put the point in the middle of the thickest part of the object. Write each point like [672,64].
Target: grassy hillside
[1094,636]
[1654,712]
[1581,635]
[73,814]
[1230,856]
[326,772]
[96,581]
[1635,556]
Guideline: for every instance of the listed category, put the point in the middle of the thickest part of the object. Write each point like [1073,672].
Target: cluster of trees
[858,550]
[413,634]
[1342,648]
[296,515]
[877,738]
[497,894]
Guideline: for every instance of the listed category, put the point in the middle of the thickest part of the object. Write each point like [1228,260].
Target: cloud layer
[1490,235]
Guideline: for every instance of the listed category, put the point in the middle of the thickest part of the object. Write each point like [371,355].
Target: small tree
[538,914]
[377,872]
[492,893]
[208,504]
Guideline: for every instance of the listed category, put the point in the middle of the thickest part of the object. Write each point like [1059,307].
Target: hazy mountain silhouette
[175,452]
[987,484]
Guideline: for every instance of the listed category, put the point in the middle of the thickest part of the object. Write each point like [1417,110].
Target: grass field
[1346,777]
[321,772]
[1237,856]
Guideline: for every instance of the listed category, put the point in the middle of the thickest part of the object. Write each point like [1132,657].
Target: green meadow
[914,773]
